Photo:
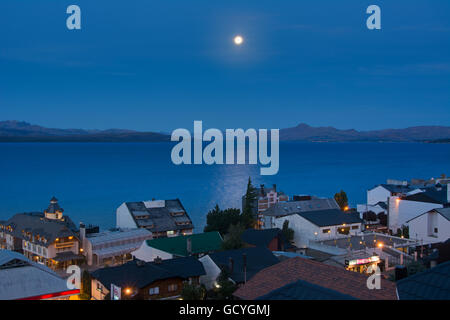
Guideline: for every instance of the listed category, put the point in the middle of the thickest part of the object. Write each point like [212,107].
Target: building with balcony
[313,225]
[111,247]
[48,237]
[163,218]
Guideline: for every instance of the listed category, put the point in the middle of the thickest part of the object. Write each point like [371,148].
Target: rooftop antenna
[244,258]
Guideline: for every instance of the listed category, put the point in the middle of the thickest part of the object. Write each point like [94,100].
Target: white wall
[377,194]
[124,219]
[304,230]
[401,211]
[212,272]
[422,228]
[149,254]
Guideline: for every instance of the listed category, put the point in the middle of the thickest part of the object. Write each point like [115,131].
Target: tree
[342,200]
[415,267]
[250,201]
[383,218]
[404,231]
[85,285]
[233,238]
[221,220]
[287,232]
[225,287]
[370,216]
[193,292]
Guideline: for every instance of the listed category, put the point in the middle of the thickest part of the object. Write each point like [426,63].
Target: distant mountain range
[304,132]
[19,131]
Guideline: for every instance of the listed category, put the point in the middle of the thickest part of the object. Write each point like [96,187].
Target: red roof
[331,277]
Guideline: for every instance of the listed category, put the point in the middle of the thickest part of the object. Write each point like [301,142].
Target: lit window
[153,291]
[172,287]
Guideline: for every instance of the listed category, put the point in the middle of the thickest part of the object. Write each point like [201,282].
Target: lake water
[92,179]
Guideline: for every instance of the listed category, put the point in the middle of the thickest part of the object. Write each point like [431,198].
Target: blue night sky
[160,65]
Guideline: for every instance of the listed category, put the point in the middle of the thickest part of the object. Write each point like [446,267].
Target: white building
[163,218]
[378,197]
[317,225]
[404,208]
[382,192]
[432,226]
[111,247]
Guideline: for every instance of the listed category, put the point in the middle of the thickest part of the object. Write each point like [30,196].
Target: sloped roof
[260,237]
[257,258]
[117,235]
[37,224]
[293,207]
[201,243]
[394,188]
[445,212]
[332,217]
[432,284]
[160,218]
[302,290]
[141,274]
[430,195]
[25,278]
[330,277]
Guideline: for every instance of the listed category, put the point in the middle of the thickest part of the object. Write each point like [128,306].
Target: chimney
[141,263]
[82,234]
[157,260]
[274,187]
[231,265]
[189,246]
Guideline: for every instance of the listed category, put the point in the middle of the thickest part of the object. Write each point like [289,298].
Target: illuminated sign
[116,292]
[362,261]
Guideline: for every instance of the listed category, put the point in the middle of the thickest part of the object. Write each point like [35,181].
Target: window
[435,230]
[355,227]
[153,291]
[99,287]
[326,230]
[172,287]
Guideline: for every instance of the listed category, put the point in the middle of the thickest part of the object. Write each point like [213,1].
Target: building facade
[48,238]
[112,247]
[163,218]
[432,226]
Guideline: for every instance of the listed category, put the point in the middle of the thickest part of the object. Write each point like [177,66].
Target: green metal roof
[201,243]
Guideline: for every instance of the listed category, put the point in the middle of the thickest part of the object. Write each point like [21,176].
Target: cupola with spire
[54,211]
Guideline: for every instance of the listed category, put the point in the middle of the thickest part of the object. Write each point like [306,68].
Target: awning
[116,250]
[67,256]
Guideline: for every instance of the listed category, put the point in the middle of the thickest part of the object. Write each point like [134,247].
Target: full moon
[238,40]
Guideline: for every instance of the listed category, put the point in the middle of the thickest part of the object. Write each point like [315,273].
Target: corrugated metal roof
[119,235]
[29,280]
